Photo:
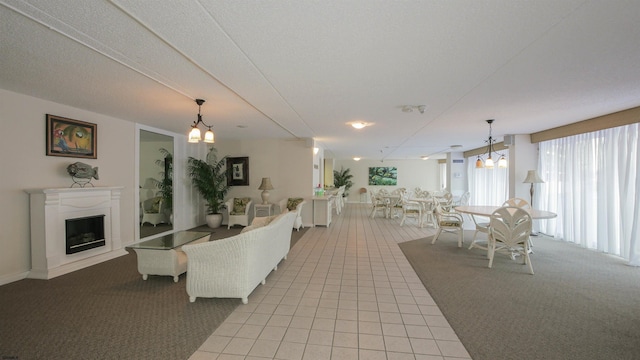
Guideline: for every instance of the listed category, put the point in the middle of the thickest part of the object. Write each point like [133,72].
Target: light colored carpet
[580,304]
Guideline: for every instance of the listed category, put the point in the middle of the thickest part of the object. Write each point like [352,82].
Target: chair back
[464,199]
[517,202]
[510,225]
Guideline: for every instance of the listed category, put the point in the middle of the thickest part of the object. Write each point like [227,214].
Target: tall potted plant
[210,179]
[343,177]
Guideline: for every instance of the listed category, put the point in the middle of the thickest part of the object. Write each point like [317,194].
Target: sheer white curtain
[593,184]
[487,186]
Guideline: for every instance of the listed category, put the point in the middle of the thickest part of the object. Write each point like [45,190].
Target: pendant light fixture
[489,162]
[194,134]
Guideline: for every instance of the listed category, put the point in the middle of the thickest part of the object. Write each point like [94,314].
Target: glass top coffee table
[163,256]
[170,241]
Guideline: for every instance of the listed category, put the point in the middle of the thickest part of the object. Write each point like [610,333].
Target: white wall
[411,174]
[523,156]
[24,165]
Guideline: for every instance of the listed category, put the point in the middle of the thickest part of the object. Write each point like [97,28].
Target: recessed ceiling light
[356,158]
[424,157]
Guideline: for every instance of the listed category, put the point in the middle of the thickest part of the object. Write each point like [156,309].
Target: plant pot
[214,220]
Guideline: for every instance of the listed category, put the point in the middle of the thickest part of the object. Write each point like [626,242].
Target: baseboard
[6,279]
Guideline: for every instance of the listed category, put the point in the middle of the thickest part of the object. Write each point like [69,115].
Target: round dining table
[485,210]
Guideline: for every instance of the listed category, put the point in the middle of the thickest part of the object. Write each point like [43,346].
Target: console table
[163,255]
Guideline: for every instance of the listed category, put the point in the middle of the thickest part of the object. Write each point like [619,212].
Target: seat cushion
[292,203]
[239,206]
[450,223]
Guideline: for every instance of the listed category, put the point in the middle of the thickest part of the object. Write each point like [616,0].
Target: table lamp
[265,186]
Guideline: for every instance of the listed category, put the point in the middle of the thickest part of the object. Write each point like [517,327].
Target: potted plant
[210,179]
[343,177]
[165,186]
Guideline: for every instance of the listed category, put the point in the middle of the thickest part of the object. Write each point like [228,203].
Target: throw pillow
[239,206]
[155,205]
[292,203]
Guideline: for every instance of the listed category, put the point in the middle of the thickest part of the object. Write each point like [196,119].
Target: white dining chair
[509,230]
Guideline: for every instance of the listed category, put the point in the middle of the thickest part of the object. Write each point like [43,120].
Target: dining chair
[377,205]
[481,227]
[509,230]
[411,209]
[428,213]
[449,221]
[521,203]
[517,202]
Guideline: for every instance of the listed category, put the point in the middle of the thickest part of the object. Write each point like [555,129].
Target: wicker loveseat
[233,267]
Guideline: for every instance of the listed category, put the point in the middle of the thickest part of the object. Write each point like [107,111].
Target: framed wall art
[383,176]
[238,171]
[71,138]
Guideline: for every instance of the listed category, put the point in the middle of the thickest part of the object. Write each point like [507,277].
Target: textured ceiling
[303,69]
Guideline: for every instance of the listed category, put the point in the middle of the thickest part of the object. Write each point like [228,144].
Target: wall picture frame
[71,138]
[238,171]
[385,176]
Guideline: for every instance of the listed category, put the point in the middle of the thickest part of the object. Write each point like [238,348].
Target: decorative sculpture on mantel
[82,174]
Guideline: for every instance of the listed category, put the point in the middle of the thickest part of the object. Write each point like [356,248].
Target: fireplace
[72,228]
[84,233]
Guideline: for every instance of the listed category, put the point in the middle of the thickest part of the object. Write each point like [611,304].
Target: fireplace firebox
[84,233]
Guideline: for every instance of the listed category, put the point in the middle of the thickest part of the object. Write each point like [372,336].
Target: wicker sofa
[233,267]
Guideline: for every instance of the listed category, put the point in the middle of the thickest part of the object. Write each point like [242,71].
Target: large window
[593,184]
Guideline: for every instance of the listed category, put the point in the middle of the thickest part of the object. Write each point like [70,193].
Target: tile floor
[345,292]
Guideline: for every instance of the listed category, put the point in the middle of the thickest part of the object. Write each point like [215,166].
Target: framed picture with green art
[71,138]
[383,176]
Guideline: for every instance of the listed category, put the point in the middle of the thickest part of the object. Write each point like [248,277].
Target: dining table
[487,210]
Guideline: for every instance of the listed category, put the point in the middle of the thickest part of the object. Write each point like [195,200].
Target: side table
[261,210]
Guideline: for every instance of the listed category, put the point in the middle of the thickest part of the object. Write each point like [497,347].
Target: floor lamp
[532,178]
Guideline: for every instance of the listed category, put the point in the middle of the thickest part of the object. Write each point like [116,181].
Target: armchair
[293,204]
[153,211]
[238,209]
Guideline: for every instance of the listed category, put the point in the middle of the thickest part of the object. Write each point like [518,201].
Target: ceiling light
[489,163]
[194,134]
[424,157]
[356,158]
[359,124]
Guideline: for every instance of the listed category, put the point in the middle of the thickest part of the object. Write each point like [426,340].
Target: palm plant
[165,186]
[343,177]
[210,179]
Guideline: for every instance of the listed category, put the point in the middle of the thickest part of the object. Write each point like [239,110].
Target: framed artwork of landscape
[71,138]
[383,176]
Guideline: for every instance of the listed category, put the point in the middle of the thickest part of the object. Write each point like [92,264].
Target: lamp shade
[266,184]
[533,178]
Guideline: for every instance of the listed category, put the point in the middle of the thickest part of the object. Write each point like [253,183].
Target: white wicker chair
[236,216]
[297,224]
[509,231]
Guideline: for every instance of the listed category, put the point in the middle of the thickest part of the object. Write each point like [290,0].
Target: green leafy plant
[343,177]
[210,179]
[165,186]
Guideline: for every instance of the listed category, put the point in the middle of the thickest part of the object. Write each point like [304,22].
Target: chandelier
[194,134]
[489,163]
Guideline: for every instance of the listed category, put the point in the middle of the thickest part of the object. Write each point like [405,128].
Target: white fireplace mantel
[50,208]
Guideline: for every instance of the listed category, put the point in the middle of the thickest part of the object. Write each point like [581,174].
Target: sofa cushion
[292,203]
[239,206]
[258,222]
